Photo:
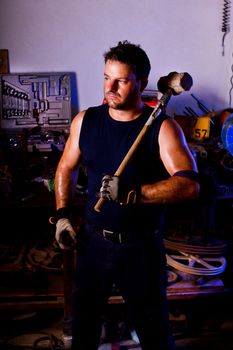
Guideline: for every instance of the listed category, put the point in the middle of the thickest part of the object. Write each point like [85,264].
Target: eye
[123,82]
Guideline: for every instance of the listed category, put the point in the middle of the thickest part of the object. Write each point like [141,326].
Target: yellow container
[201,128]
[195,128]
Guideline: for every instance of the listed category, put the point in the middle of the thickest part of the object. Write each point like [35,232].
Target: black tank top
[104,143]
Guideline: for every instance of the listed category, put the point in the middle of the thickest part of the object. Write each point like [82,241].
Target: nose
[112,85]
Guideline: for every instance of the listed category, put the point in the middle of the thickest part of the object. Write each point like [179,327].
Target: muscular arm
[176,156]
[67,169]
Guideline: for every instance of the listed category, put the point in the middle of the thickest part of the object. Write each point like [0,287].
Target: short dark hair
[131,54]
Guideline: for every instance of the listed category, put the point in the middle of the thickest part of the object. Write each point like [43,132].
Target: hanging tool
[172,84]
[225,22]
[190,111]
[201,105]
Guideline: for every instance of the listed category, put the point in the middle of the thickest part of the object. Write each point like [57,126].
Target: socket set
[29,100]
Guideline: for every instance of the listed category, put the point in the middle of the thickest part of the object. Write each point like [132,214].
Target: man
[122,243]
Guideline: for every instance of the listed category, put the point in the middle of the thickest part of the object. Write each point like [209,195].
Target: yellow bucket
[201,128]
[195,128]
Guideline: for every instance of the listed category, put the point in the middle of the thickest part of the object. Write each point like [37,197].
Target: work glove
[114,189]
[65,234]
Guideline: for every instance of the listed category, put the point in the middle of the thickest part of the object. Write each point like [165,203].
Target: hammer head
[177,82]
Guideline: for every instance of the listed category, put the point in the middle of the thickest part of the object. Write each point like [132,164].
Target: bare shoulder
[174,149]
[170,124]
[77,122]
[171,131]
[78,118]
[71,154]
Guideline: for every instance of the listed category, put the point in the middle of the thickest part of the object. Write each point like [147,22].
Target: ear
[144,83]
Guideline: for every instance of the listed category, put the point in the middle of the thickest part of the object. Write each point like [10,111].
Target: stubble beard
[128,103]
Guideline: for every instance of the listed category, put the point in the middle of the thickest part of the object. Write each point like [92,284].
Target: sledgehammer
[172,84]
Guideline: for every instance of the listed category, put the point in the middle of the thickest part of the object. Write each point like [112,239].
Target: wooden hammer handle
[125,161]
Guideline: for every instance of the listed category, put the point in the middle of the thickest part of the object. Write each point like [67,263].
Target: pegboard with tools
[29,100]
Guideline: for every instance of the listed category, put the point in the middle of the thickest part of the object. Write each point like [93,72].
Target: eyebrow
[120,78]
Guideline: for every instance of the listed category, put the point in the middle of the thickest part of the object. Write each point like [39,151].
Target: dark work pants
[138,270]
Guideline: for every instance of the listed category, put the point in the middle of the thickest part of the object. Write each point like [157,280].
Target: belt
[113,236]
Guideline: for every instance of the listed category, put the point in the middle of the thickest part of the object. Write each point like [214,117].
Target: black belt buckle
[111,236]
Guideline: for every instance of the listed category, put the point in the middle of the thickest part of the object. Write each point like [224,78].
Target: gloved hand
[65,234]
[113,189]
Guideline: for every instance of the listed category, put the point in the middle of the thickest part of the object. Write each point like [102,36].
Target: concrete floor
[44,330]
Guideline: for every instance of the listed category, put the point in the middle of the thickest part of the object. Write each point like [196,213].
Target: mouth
[112,95]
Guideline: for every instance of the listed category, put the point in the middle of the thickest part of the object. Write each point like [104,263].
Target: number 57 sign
[195,128]
[200,128]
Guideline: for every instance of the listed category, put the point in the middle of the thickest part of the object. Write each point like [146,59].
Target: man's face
[121,88]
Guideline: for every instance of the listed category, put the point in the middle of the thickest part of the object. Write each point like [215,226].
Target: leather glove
[113,189]
[65,234]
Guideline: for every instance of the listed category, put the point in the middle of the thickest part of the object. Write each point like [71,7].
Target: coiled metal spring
[225,22]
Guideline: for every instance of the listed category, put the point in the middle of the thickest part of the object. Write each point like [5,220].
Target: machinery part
[200,150]
[172,84]
[45,257]
[227,134]
[40,340]
[172,277]
[210,248]
[191,264]
[227,163]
